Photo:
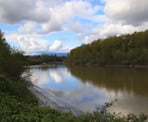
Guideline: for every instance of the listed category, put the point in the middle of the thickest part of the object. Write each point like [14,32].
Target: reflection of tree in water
[42,67]
[118,79]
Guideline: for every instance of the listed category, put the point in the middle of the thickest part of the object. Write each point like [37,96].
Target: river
[83,89]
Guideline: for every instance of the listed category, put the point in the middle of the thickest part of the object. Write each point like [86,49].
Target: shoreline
[128,66]
[46,99]
[110,65]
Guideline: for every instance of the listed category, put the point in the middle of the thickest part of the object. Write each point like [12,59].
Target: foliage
[44,59]
[11,61]
[122,50]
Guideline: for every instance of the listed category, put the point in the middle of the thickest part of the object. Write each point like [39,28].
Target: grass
[17,104]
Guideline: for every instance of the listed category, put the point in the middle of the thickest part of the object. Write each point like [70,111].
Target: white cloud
[28,27]
[128,11]
[78,27]
[29,44]
[17,11]
[89,21]
[100,19]
[57,45]
[50,15]
[113,29]
[34,44]
[110,29]
[120,17]
[51,26]
[65,13]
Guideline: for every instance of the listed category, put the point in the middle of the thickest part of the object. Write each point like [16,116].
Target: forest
[44,59]
[129,49]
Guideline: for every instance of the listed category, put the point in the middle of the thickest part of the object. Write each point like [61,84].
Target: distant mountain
[59,54]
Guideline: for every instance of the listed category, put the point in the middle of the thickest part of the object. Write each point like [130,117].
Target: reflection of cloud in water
[88,95]
[56,76]
[88,99]
[44,78]
[40,78]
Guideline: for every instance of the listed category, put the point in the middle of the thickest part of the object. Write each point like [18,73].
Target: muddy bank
[49,98]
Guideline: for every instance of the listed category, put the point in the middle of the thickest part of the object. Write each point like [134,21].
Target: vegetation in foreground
[130,50]
[17,104]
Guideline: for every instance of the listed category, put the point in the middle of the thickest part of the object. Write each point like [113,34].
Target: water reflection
[116,79]
[90,87]
[52,78]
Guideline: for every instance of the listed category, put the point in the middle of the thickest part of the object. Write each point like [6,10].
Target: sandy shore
[48,98]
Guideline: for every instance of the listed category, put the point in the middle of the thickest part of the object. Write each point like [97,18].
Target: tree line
[129,49]
[11,61]
[44,59]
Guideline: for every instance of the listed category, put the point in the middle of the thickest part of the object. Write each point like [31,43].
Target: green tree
[11,61]
[122,50]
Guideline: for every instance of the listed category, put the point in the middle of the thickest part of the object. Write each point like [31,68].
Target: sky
[45,26]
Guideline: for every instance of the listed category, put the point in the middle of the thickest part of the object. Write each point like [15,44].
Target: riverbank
[17,104]
[48,98]
[109,65]
[128,66]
